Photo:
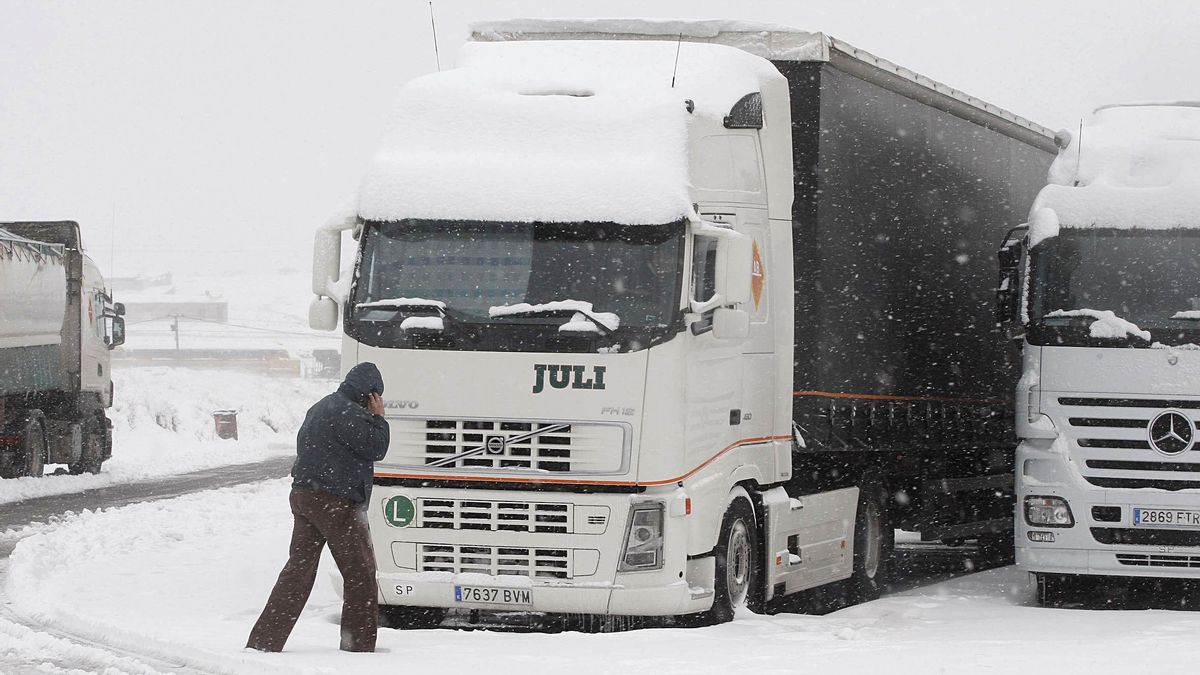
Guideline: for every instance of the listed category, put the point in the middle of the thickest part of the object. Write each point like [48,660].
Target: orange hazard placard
[757,276]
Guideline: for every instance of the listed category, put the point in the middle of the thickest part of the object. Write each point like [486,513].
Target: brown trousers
[319,518]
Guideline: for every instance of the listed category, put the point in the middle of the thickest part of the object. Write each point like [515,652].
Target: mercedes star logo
[1172,432]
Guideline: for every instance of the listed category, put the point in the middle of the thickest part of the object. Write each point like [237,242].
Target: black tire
[30,459]
[92,454]
[874,544]
[405,617]
[736,569]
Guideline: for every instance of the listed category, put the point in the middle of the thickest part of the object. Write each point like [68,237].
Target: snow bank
[163,426]
[188,577]
[553,131]
[1135,166]
[1106,324]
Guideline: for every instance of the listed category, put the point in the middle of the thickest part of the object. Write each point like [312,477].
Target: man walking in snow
[342,437]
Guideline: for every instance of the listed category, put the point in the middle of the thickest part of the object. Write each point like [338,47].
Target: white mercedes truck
[1103,285]
[677,317]
[58,323]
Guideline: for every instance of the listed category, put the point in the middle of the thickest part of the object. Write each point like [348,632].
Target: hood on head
[363,379]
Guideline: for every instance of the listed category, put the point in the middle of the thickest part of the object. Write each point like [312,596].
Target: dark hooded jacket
[340,441]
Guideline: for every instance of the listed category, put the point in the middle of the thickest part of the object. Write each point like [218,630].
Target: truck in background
[678,316]
[58,324]
[1103,288]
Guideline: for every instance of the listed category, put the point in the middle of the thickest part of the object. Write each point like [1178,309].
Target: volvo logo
[1172,432]
[495,445]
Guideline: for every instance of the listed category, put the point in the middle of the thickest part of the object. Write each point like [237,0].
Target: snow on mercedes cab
[1109,464]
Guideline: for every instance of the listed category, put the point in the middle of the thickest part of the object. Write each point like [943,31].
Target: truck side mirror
[118,329]
[119,308]
[1008,286]
[722,272]
[326,274]
[735,260]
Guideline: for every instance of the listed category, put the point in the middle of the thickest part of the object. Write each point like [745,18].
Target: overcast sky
[202,126]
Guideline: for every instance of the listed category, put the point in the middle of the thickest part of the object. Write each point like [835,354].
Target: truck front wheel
[735,563]
[92,454]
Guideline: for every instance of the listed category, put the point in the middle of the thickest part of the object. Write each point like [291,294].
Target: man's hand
[375,404]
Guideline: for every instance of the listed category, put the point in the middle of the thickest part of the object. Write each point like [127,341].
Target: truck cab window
[704,278]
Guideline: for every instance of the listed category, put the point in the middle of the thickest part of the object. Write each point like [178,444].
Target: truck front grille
[542,563]
[1158,560]
[1110,442]
[1129,536]
[490,515]
[508,446]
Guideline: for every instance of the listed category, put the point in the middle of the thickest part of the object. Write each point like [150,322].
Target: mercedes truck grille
[509,446]
[549,563]
[1111,445]
[1158,560]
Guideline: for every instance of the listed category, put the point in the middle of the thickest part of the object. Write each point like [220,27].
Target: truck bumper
[430,563]
[1085,547]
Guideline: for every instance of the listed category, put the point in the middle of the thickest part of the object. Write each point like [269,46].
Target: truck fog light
[643,539]
[1041,537]
[1048,512]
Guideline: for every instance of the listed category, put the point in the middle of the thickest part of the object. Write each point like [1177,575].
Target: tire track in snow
[31,645]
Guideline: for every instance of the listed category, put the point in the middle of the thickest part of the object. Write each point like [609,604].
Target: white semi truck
[1103,285]
[676,316]
[58,323]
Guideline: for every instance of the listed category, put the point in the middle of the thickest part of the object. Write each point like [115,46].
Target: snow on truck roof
[1130,166]
[554,131]
[568,120]
[774,42]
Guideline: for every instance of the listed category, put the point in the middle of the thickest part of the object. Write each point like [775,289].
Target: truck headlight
[643,539]
[1048,512]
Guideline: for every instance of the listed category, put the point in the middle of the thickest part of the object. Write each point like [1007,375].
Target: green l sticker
[399,511]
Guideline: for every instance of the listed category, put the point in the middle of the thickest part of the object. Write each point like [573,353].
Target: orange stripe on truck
[572,481]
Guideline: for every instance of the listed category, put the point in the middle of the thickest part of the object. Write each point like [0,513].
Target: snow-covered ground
[163,426]
[188,576]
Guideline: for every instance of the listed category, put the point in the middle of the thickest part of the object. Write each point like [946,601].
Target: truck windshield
[474,267]
[1150,278]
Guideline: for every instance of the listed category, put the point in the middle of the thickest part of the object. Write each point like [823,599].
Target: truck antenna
[112,242]
[1079,152]
[433,24]
[678,44]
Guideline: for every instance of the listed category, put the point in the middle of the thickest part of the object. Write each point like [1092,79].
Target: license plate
[1178,519]
[483,595]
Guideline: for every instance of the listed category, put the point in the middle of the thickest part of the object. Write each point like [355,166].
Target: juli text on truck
[1103,288]
[677,316]
[58,324]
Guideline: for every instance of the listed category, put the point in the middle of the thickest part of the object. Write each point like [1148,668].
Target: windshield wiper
[405,304]
[1102,324]
[606,322]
